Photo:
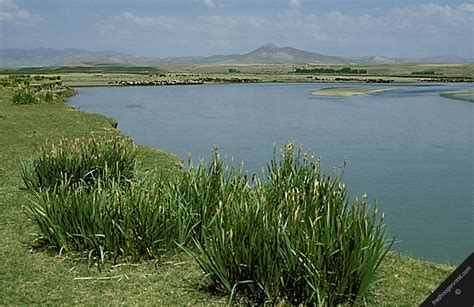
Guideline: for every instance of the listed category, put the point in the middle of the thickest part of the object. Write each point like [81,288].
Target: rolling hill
[267,54]
[14,58]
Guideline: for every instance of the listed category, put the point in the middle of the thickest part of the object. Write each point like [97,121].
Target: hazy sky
[162,28]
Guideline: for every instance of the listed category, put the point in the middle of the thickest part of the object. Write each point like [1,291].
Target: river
[409,148]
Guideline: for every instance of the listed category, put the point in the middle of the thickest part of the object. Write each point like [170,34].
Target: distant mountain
[57,57]
[268,53]
[376,60]
[445,59]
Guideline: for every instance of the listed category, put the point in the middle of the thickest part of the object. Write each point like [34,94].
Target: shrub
[295,238]
[24,97]
[81,162]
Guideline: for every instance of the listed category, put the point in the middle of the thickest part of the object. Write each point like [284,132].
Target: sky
[167,28]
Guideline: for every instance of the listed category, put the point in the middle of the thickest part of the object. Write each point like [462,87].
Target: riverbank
[349,91]
[78,75]
[43,277]
[111,79]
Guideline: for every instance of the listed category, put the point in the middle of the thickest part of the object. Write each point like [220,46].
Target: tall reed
[25,96]
[204,187]
[294,237]
[144,220]
[81,162]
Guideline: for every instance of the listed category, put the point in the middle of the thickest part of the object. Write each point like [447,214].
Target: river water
[409,148]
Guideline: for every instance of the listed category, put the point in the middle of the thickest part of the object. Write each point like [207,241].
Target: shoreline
[126,83]
[395,85]
[121,80]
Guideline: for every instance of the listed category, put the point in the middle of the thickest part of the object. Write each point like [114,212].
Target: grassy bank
[109,75]
[41,276]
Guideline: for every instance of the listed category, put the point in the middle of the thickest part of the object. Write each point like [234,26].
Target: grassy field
[106,74]
[400,69]
[37,276]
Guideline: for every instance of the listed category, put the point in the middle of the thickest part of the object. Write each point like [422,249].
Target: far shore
[349,91]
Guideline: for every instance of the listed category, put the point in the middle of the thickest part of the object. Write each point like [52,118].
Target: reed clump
[81,162]
[293,236]
[25,96]
[110,221]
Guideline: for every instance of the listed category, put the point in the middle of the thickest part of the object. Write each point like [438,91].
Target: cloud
[420,16]
[294,4]
[433,16]
[106,28]
[466,7]
[144,21]
[396,31]
[11,13]
[236,21]
[209,3]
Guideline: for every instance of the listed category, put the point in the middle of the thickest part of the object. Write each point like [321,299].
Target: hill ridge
[268,53]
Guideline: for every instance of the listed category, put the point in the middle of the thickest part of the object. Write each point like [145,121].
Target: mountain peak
[270,53]
[270,46]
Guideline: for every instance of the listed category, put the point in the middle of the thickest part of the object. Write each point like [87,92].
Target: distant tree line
[17,79]
[325,70]
[426,72]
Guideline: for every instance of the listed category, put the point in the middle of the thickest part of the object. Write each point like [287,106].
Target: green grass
[29,275]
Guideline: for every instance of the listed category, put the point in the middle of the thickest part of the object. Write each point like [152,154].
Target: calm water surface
[409,148]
